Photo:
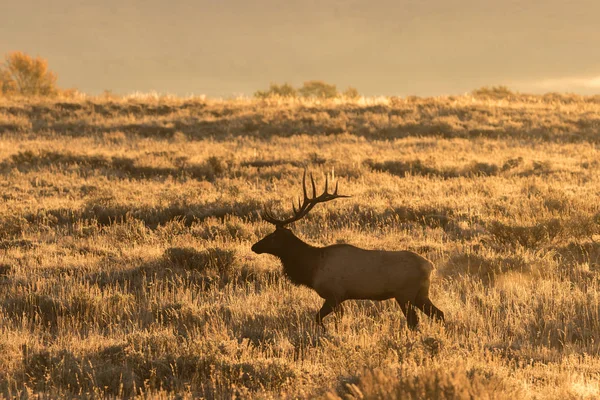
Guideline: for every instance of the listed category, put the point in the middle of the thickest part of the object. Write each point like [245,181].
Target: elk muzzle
[257,248]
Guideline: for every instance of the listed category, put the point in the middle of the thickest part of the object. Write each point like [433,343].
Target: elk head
[282,239]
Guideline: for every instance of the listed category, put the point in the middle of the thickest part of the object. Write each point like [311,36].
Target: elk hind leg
[409,312]
[425,305]
[434,312]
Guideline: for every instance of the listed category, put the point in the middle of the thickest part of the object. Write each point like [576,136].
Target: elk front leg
[327,309]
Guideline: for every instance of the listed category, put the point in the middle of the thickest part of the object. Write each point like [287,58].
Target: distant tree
[351,93]
[7,85]
[27,76]
[318,89]
[285,90]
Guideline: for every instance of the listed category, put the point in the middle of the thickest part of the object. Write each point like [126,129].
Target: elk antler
[307,204]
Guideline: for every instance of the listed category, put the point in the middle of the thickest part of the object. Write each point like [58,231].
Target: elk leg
[430,309]
[324,311]
[409,312]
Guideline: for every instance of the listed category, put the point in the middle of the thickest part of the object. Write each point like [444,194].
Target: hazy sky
[387,47]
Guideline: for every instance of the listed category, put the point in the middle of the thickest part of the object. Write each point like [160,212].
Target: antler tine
[300,206]
[336,188]
[314,188]
[304,185]
[267,216]
[326,183]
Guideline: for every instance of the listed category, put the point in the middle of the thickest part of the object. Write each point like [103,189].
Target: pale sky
[385,47]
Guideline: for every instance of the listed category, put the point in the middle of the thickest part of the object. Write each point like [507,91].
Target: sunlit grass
[126,226]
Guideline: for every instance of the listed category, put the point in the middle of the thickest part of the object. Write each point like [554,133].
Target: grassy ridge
[556,117]
[126,226]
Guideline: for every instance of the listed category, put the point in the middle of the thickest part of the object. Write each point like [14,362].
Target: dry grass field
[126,226]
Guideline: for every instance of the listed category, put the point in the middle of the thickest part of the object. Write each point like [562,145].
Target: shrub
[285,90]
[351,93]
[213,265]
[493,92]
[27,76]
[318,89]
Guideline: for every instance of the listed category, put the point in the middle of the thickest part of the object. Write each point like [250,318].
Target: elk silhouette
[343,272]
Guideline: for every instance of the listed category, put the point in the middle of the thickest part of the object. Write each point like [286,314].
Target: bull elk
[343,272]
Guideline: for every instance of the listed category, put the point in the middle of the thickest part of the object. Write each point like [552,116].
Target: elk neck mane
[299,260]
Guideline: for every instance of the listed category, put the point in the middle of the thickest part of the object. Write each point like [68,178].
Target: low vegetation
[310,90]
[126,226]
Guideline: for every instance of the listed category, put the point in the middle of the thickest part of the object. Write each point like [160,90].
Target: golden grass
[126,226]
